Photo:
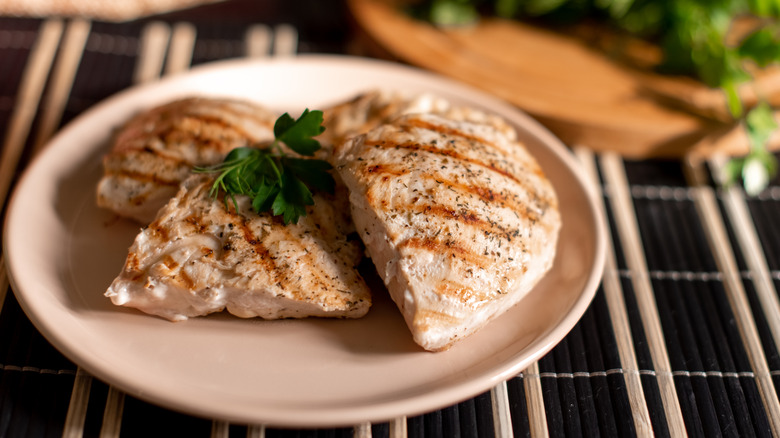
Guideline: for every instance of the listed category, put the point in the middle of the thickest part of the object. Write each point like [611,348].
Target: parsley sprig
[274,180]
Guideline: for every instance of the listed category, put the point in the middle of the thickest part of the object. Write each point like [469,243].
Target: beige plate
[62,253]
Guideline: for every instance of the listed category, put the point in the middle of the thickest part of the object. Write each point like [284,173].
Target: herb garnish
[276,181]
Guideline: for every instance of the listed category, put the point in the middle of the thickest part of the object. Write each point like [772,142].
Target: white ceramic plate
[63,251]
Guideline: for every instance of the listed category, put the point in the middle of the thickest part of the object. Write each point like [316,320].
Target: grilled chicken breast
[156,150]
[457,216]
[368,110]
[201,256]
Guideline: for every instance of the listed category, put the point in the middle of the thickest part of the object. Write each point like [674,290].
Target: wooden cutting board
[567,83]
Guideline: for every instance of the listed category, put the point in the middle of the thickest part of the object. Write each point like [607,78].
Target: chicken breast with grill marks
[200,256]
[372,108]
[156,150]
[458,218]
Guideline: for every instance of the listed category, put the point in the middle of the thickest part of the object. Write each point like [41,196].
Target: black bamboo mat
[676,341]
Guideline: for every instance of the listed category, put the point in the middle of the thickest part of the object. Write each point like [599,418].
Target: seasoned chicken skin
[156,150]
[200,256]
[458,218]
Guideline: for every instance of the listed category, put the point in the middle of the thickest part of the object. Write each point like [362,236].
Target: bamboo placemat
[682,337]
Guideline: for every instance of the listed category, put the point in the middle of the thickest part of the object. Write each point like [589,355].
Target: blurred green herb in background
[693,35]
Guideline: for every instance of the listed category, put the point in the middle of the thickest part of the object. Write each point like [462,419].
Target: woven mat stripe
[518,406]
[696,396]
[575,396]
[15,59]
[760,291]
[615,332]
[722,251]
[601,403]
[223,42]
[741,225]
[773,358]
[139,416]
[470,418]
[627,396]
[27,398]
[691,344]
[27,349]
[61,81]
[37,369]
[764,213]
[718,345]
[630,239]
[100,75]
[722,395]
[30,89]
[559,419]
[611,404]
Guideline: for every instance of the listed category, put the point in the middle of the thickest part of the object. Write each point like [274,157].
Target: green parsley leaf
[264,194]
[762,46]
[275,181]
[452,12]
[312,172]
[760,165]
[297,134]
[292,199]
[760,123]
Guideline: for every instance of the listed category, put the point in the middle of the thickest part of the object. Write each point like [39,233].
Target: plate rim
[377,412]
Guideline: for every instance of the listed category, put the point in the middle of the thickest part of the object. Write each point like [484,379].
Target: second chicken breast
[458,218]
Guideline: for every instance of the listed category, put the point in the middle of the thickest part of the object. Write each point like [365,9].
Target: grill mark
[281,277]
[463,217]
[199,141]
[133,264]
[237,222]
[491,229]
[450,248]
[248,112]
[314,274]
[117,162]
[224,124]
[139,199]
[361,114]
[423,317]
[185,279]
[159,232]
[444,130]
[446,153]
[169,262]
[134,130]
[387,169]
[180,274]
[486,194]
[175,133]
[465,294]
[264,256]
[145,177]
